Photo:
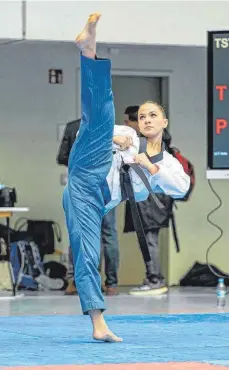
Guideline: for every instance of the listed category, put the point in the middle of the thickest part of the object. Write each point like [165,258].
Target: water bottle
[221,292]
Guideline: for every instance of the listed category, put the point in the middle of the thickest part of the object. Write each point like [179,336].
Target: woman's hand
[123,141]
[143,161]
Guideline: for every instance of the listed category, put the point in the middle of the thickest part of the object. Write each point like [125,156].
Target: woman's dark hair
[157,104]
[166,137]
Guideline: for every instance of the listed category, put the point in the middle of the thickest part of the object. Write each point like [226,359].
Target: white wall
[147,22]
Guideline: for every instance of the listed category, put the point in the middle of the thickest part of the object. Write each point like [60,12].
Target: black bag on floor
[43,232]
[55,270]
[200,275]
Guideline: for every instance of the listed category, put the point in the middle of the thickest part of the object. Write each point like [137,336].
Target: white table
[7,213]
[14,209]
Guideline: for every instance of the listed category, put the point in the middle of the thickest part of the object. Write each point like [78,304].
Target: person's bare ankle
[86,40]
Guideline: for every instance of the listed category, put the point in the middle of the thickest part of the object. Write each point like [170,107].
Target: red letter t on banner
[221,89]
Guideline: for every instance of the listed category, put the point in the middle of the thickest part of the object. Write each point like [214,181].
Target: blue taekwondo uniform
[93,186]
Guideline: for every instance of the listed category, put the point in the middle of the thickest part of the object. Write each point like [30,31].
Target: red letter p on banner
[221,124]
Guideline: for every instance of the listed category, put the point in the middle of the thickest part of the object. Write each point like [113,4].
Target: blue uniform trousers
[89,163]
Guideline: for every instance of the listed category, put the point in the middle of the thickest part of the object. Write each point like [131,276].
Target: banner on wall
[218,104]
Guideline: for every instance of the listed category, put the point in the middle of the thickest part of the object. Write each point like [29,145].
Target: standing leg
[153,267]
[111,251]
[89,163]
[154,282]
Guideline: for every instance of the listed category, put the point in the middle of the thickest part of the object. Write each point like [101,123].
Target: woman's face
[151,120]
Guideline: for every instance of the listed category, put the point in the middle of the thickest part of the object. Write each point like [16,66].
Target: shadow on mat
[80,342]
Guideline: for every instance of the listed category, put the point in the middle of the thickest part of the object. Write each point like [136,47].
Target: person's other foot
[71,289]
[151,287]
[111,291]
[86,40]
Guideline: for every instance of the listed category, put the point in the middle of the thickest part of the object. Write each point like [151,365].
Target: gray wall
[30,110]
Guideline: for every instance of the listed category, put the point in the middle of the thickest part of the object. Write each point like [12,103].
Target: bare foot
[86,40]
[107,336]
[100,329]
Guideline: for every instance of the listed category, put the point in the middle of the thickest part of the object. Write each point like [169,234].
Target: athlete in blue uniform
[89,163]
[94,180]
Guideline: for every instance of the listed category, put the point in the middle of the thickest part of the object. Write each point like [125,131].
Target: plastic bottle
[221,292]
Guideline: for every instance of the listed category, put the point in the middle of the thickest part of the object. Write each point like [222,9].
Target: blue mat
[50,340]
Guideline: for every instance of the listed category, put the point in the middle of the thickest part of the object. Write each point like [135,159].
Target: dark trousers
[153,268]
